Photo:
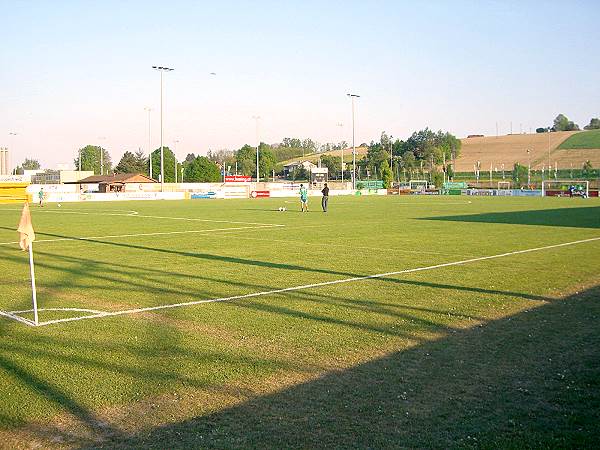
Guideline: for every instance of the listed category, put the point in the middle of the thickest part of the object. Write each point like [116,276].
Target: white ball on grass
[58,205]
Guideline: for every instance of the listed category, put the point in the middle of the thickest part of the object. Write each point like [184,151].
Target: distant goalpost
[504,185]
[561,188]
[419,185]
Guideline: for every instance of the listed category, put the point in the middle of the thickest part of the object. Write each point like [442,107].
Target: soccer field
[390,321]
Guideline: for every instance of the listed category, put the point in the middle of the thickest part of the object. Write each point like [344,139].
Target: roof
[117,178]
[305,163]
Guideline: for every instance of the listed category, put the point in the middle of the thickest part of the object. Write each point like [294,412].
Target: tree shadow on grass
[530,380]
[586,217]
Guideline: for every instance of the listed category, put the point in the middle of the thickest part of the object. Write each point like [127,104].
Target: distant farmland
[584,140]
[513,148]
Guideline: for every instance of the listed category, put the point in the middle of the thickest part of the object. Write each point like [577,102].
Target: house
[290,167]
[116,182]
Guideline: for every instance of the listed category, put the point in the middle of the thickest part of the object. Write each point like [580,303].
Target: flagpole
[34,296]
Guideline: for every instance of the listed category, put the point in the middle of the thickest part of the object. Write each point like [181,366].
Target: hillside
[567,148]
[314,157]
[513,148]
[584,140]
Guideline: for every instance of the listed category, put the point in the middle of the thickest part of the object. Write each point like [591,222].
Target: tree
[386,175]
[437,178]
[299,173]
[333,164]
[202,170]
[266,160]
[422,140]
[246,159]
[587,170]
[169,165]
[562,123]
[31,164]
[519,175]
[377,153]
[90,159]
[131,163]
[594,124]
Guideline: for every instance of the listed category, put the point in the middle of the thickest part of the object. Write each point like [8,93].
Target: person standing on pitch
[325,199]
[41,196]
[303,198]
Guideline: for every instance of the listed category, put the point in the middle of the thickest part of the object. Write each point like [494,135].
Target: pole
[33,291]
[257,118]
[150,165]
[549,147]
[341,125]
[352,97]
[392,158]
[162,156]
[528,169]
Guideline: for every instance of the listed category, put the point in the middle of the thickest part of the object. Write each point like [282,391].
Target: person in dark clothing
[325,199]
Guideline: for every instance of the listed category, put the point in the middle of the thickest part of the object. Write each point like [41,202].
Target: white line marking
[17,318]
[308,286]
[162,233]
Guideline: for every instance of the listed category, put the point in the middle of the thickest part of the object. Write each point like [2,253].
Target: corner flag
[27,235]
[26,238]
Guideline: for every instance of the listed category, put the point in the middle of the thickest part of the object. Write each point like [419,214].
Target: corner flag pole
[33,291]
[26,238]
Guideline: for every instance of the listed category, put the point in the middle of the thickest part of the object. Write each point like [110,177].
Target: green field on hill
[585,139]
[390,321]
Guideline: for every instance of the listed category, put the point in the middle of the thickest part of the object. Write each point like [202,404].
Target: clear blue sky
[77,71]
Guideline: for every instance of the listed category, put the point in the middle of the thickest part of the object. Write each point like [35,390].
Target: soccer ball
[58,205]
[282,208]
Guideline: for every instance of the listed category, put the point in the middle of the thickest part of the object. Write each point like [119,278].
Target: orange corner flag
[27,235]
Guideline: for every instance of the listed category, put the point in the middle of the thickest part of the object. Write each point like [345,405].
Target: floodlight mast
[257,118]
[339,124]
[352,97]
[162,69]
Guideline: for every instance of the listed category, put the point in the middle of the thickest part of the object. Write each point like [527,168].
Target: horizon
[81,74]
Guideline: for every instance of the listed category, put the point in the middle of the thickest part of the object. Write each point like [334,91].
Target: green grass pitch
[480,352]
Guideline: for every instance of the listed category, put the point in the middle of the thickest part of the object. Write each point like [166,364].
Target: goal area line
[100,314]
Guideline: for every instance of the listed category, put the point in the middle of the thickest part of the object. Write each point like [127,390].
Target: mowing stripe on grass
[136,214]
[161,233]
[301,287]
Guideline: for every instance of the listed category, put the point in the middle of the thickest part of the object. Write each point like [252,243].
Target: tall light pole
[528,169]
[162,156]
[257,118]
[149,110]
[352,97]
[392,156]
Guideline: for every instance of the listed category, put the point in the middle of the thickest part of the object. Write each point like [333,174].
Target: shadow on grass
[530,380]
[586,217]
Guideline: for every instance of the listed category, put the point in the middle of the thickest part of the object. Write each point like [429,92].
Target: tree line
[562,123]
[384,158]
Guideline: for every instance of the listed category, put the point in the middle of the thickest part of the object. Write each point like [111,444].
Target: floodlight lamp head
[353,95]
